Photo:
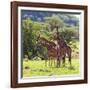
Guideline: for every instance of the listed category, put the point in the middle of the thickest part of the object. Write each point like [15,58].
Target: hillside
[69,18]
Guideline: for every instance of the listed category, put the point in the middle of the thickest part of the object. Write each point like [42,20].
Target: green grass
[38,68]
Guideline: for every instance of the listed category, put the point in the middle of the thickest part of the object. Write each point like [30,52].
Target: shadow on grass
[71,68]
[40,70]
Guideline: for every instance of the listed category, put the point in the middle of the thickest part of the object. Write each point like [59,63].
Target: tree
[27,36]
[30,32]
[54,22]
[69,34]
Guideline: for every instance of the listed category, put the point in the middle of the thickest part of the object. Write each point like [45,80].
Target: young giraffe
[51,47]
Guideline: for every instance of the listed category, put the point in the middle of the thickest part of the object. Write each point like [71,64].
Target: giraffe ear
[38,37]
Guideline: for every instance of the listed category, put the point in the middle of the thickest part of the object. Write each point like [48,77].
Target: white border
[52,78]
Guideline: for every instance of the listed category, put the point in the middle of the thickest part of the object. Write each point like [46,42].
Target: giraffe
[57,50]
[64,49]
[51,47]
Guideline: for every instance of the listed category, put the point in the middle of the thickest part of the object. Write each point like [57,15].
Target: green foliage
[41,51]
[32,29]
[69,34]
[54,22]
[75,45]
[27,36]
[36,26]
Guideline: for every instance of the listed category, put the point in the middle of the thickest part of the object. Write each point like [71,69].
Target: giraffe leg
[70,61]
[54,63]
[49,62]
[58,62]
[64,61]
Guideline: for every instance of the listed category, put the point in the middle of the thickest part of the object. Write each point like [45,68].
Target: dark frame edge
[11,42]
[13,73]
[49,5]
[43,84]
[85,44]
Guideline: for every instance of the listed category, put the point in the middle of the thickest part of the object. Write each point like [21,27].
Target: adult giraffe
[64,49]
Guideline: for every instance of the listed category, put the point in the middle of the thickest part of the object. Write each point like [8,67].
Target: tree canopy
[32,29]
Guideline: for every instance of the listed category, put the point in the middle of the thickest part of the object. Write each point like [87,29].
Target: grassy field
[38,68]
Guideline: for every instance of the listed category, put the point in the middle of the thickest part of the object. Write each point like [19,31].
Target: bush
[26,58]
[69,34]
[36,58]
